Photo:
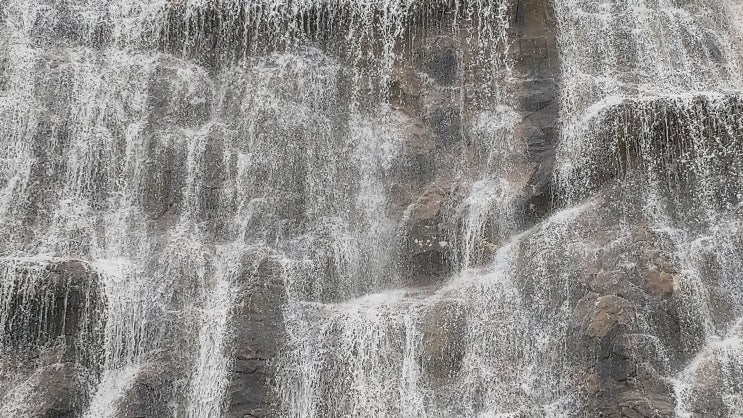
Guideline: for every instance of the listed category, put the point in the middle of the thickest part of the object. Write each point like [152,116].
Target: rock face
[537,67]
[627,329]
[54,390]
[381,208]
[444,335]
[52,336]
[258,331]
[66,293]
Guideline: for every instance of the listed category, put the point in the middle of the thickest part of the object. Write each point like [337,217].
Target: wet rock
[628,327]
[429,205]
[157,383]
[49,300]
[608,313]
[416,167]
[623,378]
[52,335]
[427,250]
[60,24]
[180,93]
[620,289]
[259,330]
[157,390]
[446,122]
[443,66]
[405,90]
[165,172]
[713,384]
[443,347]
[645,131]
[660,284]
[58,390]
[213,172]
[537,72]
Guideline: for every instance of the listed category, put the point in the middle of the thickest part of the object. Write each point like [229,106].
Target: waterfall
[371,208]
[654,88]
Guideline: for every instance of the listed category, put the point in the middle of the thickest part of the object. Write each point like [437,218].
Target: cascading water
[326,208]
[662,81]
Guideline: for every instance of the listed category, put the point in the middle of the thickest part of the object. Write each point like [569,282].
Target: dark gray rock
[159,388]
[52,300]
[647,131]
[626,331]
[165,175]
[58,390]
[622,299]
[443,66]
[52,336]
[258,327]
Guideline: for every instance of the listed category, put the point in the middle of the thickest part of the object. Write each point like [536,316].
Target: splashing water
[156,154]
[656,87]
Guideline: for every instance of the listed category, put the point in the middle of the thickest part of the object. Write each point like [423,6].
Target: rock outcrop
[52,329]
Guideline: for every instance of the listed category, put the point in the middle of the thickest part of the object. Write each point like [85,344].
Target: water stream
[165,151]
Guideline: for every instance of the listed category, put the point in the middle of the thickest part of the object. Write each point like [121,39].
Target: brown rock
[660,284]
[428,206]
[609,311]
